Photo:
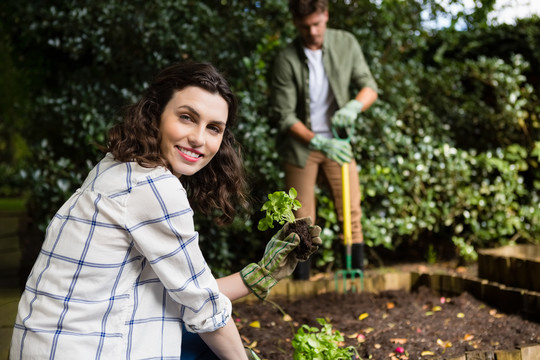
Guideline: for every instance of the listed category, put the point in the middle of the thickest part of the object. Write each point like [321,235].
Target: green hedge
[449,153]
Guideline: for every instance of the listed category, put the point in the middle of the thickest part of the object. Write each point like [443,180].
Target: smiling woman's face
[192,127]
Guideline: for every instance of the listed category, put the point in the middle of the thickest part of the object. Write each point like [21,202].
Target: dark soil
[301,228]
[423,324]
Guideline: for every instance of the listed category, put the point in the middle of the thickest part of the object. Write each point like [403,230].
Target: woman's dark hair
[221,184]
[302,8]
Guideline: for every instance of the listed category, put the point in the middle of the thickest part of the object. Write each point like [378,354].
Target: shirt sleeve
[361,74]
[160,221]
[284,93]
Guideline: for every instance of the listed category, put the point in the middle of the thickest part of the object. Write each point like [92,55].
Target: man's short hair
[303,8]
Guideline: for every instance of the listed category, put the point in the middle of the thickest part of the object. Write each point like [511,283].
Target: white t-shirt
[322,103]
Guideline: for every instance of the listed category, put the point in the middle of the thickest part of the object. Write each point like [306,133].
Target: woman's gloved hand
[345,117]
[279,259]
[335,149]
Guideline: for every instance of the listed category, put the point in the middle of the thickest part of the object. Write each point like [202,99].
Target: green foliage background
[448,155]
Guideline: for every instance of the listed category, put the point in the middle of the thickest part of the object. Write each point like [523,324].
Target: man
[311,83]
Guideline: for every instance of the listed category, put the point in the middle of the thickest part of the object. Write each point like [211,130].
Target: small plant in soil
[310,343]
[279,208]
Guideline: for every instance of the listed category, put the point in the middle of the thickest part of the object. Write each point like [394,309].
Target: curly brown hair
[302,8]
[219,186]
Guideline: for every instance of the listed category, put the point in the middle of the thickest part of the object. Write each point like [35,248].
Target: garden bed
[428,316]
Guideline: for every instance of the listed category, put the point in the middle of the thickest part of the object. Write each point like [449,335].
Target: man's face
[312,28]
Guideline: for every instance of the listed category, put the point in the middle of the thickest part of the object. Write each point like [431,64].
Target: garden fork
[354,275]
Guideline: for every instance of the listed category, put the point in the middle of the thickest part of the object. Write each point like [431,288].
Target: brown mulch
[389,325]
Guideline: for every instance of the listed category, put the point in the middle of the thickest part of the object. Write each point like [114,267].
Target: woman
[120,273]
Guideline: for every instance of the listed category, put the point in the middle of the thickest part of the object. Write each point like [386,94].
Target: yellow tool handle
[346,199]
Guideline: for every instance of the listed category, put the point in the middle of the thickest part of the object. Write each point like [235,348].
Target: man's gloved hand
[335,149]
[279,260]
[345,117]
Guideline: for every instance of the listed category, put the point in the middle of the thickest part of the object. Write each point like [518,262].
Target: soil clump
[301,228]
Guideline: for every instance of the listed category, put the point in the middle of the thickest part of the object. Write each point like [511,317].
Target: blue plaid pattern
[119,272]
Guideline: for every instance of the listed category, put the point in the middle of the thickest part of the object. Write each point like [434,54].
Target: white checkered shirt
[120,270]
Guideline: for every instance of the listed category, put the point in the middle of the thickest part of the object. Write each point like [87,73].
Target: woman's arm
[226,342]
[233,286]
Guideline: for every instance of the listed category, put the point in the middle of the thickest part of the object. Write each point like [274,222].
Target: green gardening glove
[345,117]
[279,260]
[335,149]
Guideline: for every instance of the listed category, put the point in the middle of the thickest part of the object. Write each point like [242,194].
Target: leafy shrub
[448,152]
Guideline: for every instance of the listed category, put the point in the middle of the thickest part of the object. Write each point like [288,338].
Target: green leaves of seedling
[310,343]
[279,207]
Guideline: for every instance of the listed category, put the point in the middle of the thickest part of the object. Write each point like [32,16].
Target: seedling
[279,208]
[310,343]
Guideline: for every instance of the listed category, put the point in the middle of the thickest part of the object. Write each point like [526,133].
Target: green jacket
[346,69]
